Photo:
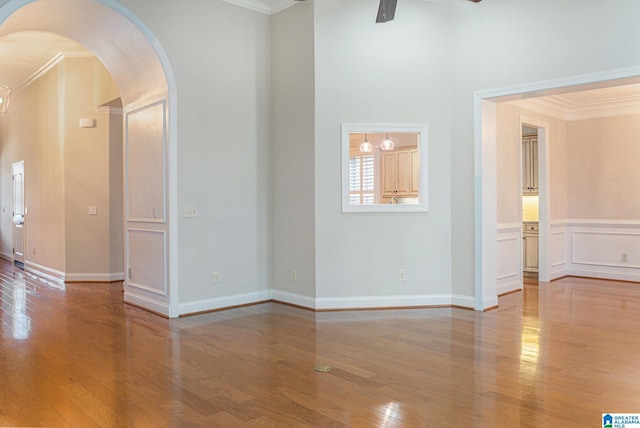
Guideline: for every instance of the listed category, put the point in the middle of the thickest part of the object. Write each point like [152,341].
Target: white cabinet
[530,165]
[530,247]
[400,173]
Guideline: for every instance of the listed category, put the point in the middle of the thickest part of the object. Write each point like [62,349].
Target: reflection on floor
[555,354]
[530,278]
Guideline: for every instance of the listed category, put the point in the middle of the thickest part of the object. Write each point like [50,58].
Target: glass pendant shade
[387,144]
[366,146]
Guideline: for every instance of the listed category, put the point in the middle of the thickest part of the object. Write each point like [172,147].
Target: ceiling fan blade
[386,10]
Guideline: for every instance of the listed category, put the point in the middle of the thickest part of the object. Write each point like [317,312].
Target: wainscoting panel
[559,249]
[146,280]
[509,258]
[147,262]
[605,249]
[591,248]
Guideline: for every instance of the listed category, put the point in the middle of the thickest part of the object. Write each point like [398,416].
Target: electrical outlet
[190,211]
[402,275]
[624,257]
[34,251]
[216,278]
[294,276]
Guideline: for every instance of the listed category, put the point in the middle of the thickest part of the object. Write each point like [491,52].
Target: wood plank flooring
[556,354]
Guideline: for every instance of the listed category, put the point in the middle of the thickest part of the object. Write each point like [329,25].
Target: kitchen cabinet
[530,165]
[530,247]
[415,172]
[401,173]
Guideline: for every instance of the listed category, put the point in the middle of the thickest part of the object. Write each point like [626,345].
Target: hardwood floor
[556,354]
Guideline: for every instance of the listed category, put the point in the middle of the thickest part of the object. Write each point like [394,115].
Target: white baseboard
[147,303]
[7,256]
[94,277]
[490,302]
[605,274]
[556,274]
[508,285]
[363,302]
[293,299]
[325,303]
[223,302]
[463,301]
[46,272]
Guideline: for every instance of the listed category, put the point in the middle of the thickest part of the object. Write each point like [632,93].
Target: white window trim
[423,148]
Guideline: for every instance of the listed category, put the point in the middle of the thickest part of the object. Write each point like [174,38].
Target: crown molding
[560,108]
[52,63]
[541,106]
[263,6]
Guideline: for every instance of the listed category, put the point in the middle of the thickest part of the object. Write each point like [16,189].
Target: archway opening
[142,74]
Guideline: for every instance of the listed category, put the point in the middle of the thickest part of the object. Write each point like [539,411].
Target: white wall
[424,67]
[397,71]
[293,155]
[88,172]
[385,73]
[220,54]
[505,43]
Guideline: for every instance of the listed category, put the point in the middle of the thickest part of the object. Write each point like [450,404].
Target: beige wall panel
[604,178]
[145,160]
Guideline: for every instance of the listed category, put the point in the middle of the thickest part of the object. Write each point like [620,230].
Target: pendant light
[387,144]
[366,146]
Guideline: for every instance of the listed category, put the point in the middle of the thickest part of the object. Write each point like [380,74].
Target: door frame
[21,164]
[544,226]
[485,163]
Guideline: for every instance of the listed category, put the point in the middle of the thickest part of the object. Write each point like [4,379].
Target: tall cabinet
[530,188]
[530,165]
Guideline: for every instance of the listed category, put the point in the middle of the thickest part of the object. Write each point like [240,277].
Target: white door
[18,211]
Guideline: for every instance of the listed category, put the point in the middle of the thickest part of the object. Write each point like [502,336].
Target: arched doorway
[141,71]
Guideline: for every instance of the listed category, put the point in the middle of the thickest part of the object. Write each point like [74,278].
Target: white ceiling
[264,6]
[589,104]
[23,54]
